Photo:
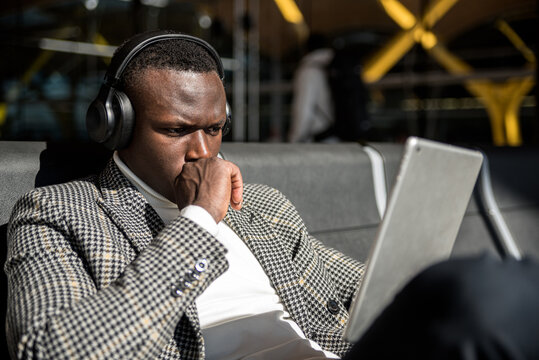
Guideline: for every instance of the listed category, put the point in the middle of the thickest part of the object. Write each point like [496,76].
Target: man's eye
[214,130]
[176,131]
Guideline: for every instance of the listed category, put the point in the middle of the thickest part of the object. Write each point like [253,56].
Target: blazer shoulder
[68,190]
[272,204]
[63,195]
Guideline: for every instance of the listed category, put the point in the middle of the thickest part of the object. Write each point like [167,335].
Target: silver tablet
[423,216]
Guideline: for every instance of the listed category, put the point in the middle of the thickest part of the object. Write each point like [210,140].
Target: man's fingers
[212,183]
[236,181]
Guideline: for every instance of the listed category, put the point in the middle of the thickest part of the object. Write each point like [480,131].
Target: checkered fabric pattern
[94,273]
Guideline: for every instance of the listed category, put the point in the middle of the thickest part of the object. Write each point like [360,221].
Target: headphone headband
[141,41]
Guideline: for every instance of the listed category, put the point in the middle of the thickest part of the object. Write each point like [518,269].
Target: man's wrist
[201,217]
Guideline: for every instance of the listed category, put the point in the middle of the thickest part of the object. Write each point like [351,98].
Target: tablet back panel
[423,216]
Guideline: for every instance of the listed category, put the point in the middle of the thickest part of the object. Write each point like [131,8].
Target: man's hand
[211,183]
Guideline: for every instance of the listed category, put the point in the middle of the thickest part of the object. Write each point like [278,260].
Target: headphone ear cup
[124,115]
[99,121]
[228,121]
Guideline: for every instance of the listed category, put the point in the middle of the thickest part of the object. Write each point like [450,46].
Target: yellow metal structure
[292,14]
[290,11]
[502,100]
[3,114]
[413,31]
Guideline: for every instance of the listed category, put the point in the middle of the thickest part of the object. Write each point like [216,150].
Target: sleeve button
[192,276]
[177,292]
[201,265]
[333,307]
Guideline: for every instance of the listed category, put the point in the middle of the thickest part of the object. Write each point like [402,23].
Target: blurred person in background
[329,96]
[312,105]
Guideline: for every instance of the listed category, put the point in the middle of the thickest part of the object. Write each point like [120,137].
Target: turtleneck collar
[165,208]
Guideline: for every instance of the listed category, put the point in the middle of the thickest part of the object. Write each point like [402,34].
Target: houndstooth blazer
[94,273]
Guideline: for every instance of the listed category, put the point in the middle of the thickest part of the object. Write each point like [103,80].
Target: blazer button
[192,276]
[333,307]
[176,292]
[201,265]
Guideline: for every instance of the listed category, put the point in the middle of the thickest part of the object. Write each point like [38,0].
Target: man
[110,267]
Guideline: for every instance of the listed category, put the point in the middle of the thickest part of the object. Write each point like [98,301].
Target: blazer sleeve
[55,310]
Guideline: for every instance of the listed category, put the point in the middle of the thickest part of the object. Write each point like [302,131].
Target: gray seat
[514,174]
[330,184]
[20,165]
[332,187]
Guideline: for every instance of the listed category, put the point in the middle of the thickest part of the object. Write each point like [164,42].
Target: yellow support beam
[515,95]
[382,61]
[3,115]
[292,14]
[413,31]
[436,10]
[100,40]
[502,101]
[290,11]
[517,42]
[399,13]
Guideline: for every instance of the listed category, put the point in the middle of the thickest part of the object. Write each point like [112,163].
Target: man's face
[179,116]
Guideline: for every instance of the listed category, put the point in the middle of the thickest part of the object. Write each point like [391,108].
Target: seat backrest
[514,174]
[19,164]
[331,185]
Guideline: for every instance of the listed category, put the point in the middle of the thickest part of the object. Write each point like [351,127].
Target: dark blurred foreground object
[467,308]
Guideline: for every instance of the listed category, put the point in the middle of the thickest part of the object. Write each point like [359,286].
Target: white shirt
[240,313]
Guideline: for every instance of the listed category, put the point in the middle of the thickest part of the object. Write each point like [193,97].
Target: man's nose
[198,146]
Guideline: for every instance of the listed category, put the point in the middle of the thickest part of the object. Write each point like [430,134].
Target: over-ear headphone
[110,117]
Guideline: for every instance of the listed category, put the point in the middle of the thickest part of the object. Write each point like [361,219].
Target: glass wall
[451,70]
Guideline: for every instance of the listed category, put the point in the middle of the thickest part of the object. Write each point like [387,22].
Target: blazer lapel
[139,222]
[128,208]
[270,251]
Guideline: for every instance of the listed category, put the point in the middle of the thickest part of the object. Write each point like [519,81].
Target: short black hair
[171,54]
